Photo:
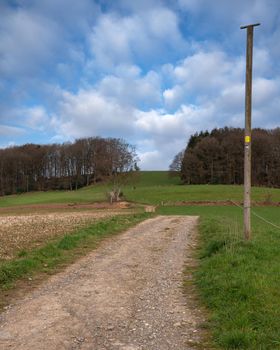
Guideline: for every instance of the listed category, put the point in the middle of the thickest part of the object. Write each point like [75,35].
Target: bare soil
[63,207]
[22,232]
[126,295]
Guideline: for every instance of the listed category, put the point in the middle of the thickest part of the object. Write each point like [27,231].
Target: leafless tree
[63,166]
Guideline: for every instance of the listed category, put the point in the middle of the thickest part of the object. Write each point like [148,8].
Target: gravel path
[126,295]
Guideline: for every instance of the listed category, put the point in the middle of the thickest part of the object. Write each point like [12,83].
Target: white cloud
[231,98]
[30,119]
[20,49]
[141,69]
[159,124]
[174,96]
[154,160]
[166,134]
[10,131]
[129,71]
[208,71]
[201,77]
[262,62]
[134,91]
[144,36]
[88,113]
[37,35]
[35,117]
[264,91]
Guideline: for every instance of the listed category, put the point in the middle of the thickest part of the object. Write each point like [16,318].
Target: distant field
[156,187]
[151,187]
[84,195]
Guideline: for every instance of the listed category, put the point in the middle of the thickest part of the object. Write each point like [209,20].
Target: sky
[152,72]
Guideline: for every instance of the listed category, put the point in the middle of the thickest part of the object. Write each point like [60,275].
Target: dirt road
[126,295]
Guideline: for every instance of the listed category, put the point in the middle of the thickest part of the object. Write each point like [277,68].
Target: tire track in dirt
[126,295]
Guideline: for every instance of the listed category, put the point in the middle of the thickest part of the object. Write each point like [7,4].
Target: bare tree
[176,166]
[66,166]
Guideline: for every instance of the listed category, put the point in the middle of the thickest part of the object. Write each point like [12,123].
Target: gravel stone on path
[126,295]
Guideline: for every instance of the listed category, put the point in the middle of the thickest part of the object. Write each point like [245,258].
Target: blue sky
[150,71]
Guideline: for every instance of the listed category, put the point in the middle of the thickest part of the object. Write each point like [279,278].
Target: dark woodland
[69,166]
[216,157]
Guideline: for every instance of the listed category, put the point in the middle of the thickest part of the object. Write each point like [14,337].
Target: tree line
[33,167]
[217,157]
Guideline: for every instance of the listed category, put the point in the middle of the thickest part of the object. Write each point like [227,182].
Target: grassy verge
[64,250]
[239,282]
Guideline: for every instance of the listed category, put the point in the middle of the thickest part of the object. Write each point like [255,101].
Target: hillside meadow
[150,187]
[237,281]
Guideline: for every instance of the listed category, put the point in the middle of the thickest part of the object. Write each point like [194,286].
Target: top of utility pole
[250,25]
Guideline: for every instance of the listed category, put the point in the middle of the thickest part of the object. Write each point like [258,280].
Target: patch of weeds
[22,253]
[12,270]
[213,247]
[235,339]
[68,242]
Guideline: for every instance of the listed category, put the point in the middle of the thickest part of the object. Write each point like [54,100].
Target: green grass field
[151,187]
[85,195]
[157,187]
[239,282]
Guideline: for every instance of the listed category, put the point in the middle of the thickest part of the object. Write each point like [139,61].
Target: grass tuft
[235,339]
[22,253]
[213,247]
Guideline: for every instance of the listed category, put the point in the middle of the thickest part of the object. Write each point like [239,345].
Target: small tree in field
[176,165]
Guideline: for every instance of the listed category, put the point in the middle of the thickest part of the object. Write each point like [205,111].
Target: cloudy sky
[150,71]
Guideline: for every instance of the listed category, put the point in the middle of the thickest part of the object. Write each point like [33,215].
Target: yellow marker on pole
[247,139]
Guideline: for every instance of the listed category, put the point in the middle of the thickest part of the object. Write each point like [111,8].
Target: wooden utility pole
[247,136]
